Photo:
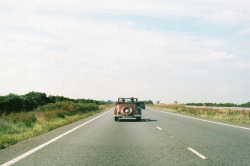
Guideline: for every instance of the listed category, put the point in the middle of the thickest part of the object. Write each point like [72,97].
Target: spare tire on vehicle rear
[126,110]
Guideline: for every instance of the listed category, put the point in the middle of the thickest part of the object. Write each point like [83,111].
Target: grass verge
[228,115]
[16,127]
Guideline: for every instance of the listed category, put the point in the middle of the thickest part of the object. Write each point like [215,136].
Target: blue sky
[189,51]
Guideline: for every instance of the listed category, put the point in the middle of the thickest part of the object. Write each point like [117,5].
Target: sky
[162,50]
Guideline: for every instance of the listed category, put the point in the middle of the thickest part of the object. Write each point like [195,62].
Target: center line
[159,128]
[197,153]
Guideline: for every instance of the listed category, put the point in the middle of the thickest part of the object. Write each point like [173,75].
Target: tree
[34,99]
[148,102]
[11,103]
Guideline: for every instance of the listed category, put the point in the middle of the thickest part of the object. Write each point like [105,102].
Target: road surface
[159,139]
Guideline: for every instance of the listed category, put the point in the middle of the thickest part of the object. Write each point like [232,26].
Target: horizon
[190,52]
[115,100]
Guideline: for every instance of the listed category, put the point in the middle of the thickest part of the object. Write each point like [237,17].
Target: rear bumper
[128,116]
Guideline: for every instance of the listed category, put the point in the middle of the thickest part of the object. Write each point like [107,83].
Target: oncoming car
[127,108]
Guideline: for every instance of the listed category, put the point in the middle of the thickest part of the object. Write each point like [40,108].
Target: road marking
[204,120]
[197,153]
[13,161]
[159,128]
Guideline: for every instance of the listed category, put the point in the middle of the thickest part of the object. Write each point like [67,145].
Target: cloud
[225,11]
[245,30]
[217,56]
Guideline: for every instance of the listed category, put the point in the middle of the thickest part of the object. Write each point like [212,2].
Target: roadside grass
[229,115]
[16,127]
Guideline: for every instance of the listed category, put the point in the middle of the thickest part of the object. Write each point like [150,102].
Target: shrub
[62,109]
[68,106]
[11,103]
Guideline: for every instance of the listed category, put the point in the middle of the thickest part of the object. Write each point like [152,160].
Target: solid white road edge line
[197,153]
[159,128]
[203,120]
[49,142]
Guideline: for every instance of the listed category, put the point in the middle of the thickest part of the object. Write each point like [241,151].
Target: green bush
[11,103]
[70,107]
[9,127]
[60,115]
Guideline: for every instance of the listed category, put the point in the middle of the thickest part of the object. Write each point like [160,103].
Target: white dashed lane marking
[197,153]
[159,128]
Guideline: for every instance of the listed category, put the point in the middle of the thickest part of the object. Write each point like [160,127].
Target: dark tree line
[148,102]
[17,103]
[220,104]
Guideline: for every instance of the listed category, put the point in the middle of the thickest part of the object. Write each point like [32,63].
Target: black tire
[116,118]
[138,119]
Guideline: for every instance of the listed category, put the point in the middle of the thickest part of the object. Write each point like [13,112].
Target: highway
[159,139]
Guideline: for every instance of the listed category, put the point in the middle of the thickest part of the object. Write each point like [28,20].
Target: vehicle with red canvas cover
[127,108]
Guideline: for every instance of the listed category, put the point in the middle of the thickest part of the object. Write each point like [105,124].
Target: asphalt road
[159,139]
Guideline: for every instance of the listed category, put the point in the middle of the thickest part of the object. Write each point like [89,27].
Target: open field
[16,127]
[224,114]
[231,108]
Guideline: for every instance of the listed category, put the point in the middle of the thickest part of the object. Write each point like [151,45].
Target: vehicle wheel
[116,118]
[138,119]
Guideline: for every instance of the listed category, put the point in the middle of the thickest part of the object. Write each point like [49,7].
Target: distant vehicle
[142,104]
[127,108]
